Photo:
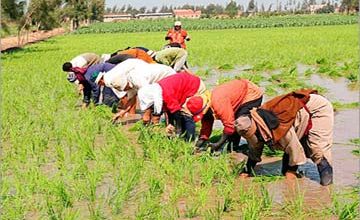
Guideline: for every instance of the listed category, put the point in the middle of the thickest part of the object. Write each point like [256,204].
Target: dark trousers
[188,127]
[109,97]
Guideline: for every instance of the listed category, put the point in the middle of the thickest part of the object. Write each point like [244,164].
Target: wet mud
[346,127]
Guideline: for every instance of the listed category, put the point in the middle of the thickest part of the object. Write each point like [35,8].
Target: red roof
[186,12]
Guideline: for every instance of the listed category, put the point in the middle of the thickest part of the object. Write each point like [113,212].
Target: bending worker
[177,35]
[79,64]
[170,95]
[130,76]
[228,101]
[173,57]
[300,123]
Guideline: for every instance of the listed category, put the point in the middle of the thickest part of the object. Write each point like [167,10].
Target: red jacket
[177,88]
[225,101]
[177,36]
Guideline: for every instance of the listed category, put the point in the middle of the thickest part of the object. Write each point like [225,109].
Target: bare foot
[289,175]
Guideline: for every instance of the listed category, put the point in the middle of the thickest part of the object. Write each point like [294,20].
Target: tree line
[233,8]
[48,14]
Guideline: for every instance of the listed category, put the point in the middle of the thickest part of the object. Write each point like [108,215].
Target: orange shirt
[177,36]
[138,53]
[225,101]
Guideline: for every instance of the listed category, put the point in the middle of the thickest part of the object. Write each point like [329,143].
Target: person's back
[177,88]
[139,54]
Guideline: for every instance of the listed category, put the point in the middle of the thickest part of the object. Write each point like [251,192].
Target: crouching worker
[228,101]
[135,78]
[299,123]
[170,95]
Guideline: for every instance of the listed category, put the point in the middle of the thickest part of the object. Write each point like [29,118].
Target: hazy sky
[159,3]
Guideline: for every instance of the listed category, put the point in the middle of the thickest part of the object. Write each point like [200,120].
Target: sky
[159,3]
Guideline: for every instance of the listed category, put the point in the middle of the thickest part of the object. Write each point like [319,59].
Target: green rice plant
[215,213]
[210,24]
[63,194]
[345,210]
[267,151]
[96,212]
[226,67]
[342,106]
[295,207]
[192,211]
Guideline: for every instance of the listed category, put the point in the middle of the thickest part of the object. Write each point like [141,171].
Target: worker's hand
[119,114]
[200,143]
[170,130]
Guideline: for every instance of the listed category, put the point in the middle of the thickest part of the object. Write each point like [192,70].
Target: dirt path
[12,42]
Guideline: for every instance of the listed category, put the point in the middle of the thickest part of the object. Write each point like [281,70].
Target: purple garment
[91,89]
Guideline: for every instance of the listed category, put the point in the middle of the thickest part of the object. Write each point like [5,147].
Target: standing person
[170,95]
[79,64]
[177,35]
[174,57]
[135,78]
[300,123]
[228,101]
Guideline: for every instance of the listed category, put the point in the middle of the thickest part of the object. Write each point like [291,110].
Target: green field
[61,162]
[225,23]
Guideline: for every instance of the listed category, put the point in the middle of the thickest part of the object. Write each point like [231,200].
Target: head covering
[104,58]
[151,95]
[199,105]
[177,23]
[245,126]
[151,53]
[71,77]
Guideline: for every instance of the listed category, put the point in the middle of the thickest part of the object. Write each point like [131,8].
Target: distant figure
[177,35]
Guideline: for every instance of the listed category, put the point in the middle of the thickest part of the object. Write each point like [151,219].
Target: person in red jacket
[228,101]
[177,35]
[169,95]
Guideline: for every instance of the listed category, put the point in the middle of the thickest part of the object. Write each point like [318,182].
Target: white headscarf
[151,95]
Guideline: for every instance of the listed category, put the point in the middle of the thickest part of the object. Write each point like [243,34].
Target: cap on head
[245,126]
[67,66]
[177,23]
[71,77]
[196,106]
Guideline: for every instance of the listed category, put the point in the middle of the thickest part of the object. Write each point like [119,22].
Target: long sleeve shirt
[147,74]
[177,88]
[225,101]
[91,89]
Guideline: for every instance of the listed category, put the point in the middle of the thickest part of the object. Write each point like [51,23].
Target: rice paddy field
[61,162]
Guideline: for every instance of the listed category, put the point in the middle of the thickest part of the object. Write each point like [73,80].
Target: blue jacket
[91,89]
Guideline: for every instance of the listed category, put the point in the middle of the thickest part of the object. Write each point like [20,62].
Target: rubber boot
[325,172]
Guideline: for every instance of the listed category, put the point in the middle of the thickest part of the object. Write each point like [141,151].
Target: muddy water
[337,89]
[346,127]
